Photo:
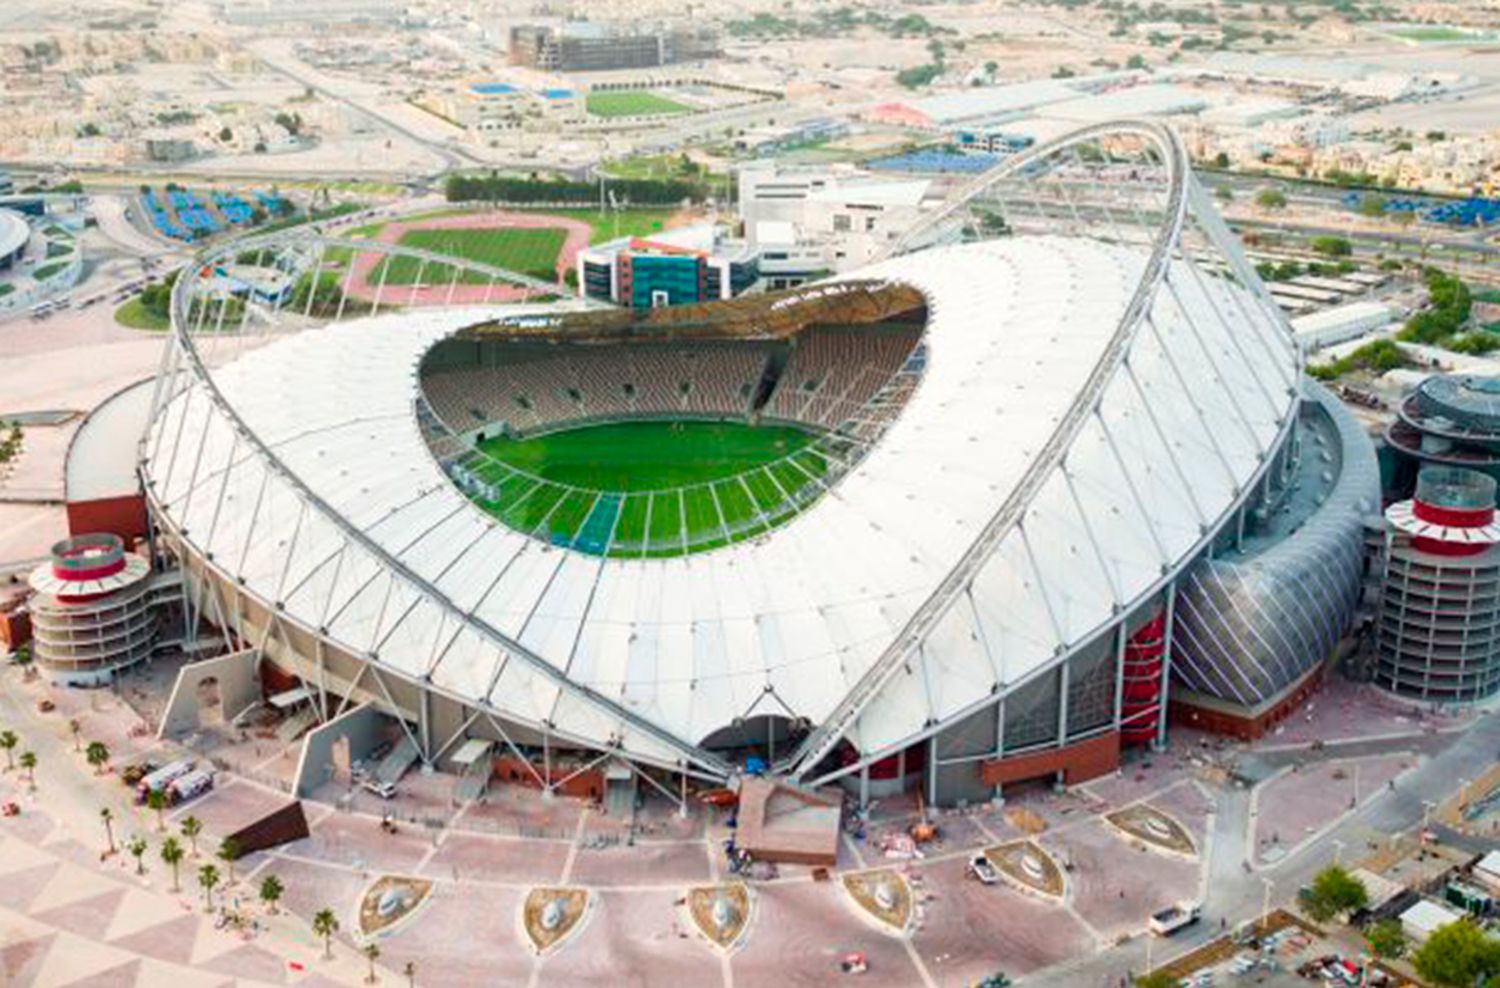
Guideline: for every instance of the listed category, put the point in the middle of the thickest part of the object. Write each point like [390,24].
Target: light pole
[1265,905]
[1427,806]
[1356,785]
[1338,852]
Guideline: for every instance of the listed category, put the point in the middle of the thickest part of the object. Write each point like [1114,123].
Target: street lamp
[1338,851]
[1265,905]
[1427,807]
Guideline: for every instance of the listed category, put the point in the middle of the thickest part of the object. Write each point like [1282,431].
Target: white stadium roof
[789,622]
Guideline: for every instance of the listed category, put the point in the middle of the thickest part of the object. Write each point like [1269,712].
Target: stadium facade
[1079,484]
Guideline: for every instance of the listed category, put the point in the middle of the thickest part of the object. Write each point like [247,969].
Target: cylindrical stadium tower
[1439,635]
[92,613]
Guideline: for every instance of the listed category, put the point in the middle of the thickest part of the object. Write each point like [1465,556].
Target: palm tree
[8,741]
[137,848]
[371,952]
[75,728]
[208,877]
[229,850]
[325,924]
[191,828]
[108,816]
[270,891]
[97,755]
[28,762]
[171,853]
[156,799]
[410,970]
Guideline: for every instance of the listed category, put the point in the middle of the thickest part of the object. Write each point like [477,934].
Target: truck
[185,787]
[162,777]
[1173,918]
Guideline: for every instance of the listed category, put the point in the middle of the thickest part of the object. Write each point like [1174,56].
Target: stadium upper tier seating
[827,378]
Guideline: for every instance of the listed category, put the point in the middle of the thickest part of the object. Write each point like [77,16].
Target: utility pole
[1265,904]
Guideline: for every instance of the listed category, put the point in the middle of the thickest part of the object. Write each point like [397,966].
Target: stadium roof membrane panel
[786,623]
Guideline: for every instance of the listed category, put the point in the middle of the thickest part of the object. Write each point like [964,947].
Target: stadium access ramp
[394,765]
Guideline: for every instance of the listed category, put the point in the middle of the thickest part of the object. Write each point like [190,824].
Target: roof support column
[1064,676]
[1120,639]
[932,770]
[1166,666]
[999,788]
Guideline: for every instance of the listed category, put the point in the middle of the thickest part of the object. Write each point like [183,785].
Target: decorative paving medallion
[389,902]
[721,913]
[1153,827]
[1026,865]
[549,916]
[884,895]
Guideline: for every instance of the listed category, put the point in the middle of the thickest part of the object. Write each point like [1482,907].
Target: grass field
[525,251]
[632,103]
[639,489]
[134,315]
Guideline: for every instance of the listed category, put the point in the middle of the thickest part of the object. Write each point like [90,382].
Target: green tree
[1386,938]
[191,828]
[156,800]
[28,762]
[1334,891]
[108,817]
[229,851]
[208,878]
[137,848]
[325,924]
[97,755]
[225,135]
[1331,246]
[1270,199]
[171,853]
[1372,206]
[270,892]
[371,952]
[8,741]
[1221,160]
[1457,955]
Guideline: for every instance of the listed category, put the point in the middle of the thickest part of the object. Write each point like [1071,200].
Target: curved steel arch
[183,339]
[826,736]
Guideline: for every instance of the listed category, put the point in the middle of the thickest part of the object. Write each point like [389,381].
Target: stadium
[984,513]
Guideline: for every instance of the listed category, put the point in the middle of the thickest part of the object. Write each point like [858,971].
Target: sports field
[526,251]
[648,488]
[631,104]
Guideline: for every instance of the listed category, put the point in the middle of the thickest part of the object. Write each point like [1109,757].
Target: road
[305,75]
[1235,892]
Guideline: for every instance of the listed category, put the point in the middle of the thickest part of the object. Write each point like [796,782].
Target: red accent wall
[1246,726]
[585,785]
[1078,762]
[122,516]
[1141,696]
[1454,517]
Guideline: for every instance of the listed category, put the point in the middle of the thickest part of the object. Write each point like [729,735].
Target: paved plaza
[73,917]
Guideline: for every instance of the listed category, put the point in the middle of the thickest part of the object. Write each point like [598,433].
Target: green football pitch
[649,488]
[630,104]
[523,250]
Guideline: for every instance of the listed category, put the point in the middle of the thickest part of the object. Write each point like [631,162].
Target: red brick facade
[1078,762]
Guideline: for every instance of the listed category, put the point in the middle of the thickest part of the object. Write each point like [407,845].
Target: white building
[1425,918]
[842,217]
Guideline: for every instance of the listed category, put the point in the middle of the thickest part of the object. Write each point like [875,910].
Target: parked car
[981,868]
[385,790]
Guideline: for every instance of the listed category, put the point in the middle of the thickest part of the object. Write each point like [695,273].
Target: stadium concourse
[1048,477]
